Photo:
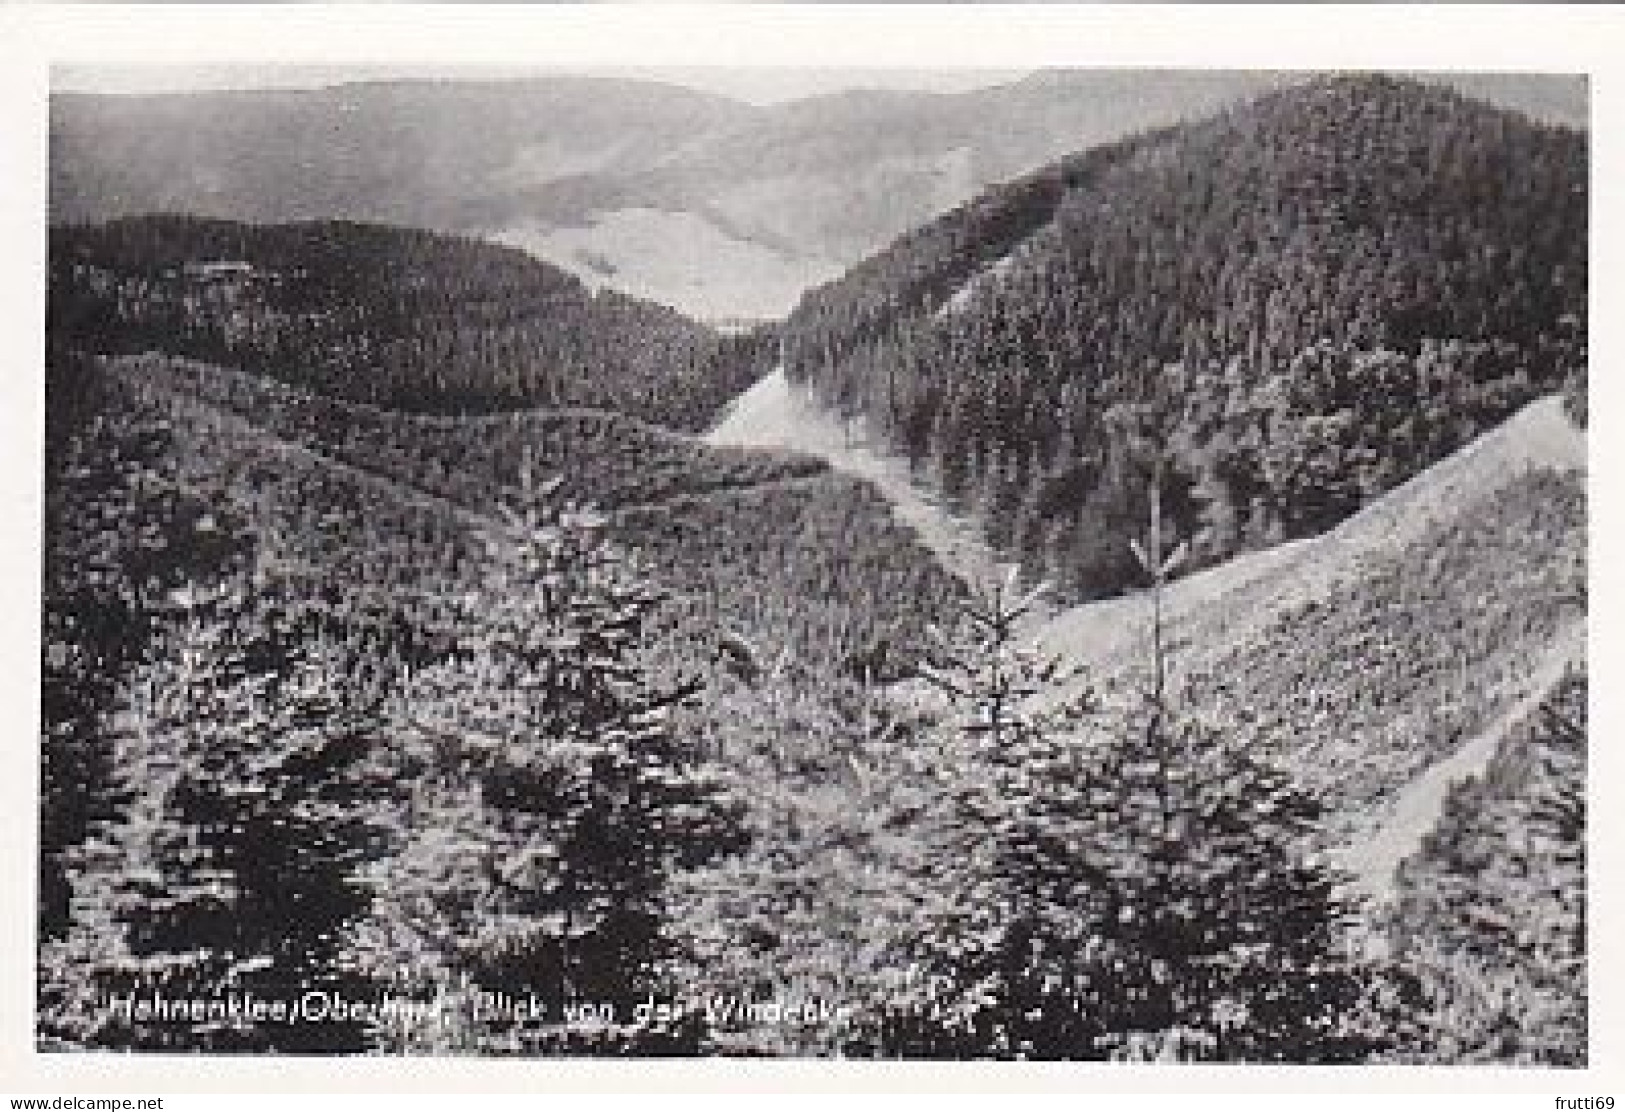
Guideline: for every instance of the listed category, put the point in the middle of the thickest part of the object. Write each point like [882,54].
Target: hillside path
[774,414]
[1415,812]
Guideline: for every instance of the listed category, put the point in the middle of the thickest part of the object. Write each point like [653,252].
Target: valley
[680,259]
[1129,604]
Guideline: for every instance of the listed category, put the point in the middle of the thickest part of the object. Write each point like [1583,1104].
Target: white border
[1519,38]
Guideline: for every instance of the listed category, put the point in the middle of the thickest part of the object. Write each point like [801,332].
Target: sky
[759,85]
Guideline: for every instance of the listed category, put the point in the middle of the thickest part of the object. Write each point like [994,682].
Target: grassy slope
[681,259]
[1419,810]
[1369,655]
[1229,603]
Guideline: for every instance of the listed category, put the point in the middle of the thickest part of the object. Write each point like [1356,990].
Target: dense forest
[398,317]
[217,540]
[272,734]
[1304,301]
[441,776]
[407,658]
[1504,872]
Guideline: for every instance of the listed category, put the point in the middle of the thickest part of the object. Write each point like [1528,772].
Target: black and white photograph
[1022,563]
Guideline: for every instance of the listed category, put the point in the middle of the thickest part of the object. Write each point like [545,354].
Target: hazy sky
[762,85]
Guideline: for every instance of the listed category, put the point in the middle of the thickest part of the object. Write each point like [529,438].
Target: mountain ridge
[827,178]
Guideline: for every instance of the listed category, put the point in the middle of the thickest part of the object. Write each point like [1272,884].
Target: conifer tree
[1118,880]
[546,802]
[1220,935]
[228,869]
[998,776]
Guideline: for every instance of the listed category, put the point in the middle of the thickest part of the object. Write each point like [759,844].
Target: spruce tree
[995,775]
[1117,879]
[228,870]
[545,803]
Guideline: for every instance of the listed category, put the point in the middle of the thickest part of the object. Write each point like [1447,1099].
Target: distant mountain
[445,156]
[717,207]
[844,173]
[1297,305]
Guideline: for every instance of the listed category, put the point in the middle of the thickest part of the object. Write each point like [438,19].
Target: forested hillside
[401,318]
[1301,302]
[751,542]
[209,670]
[406,653]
